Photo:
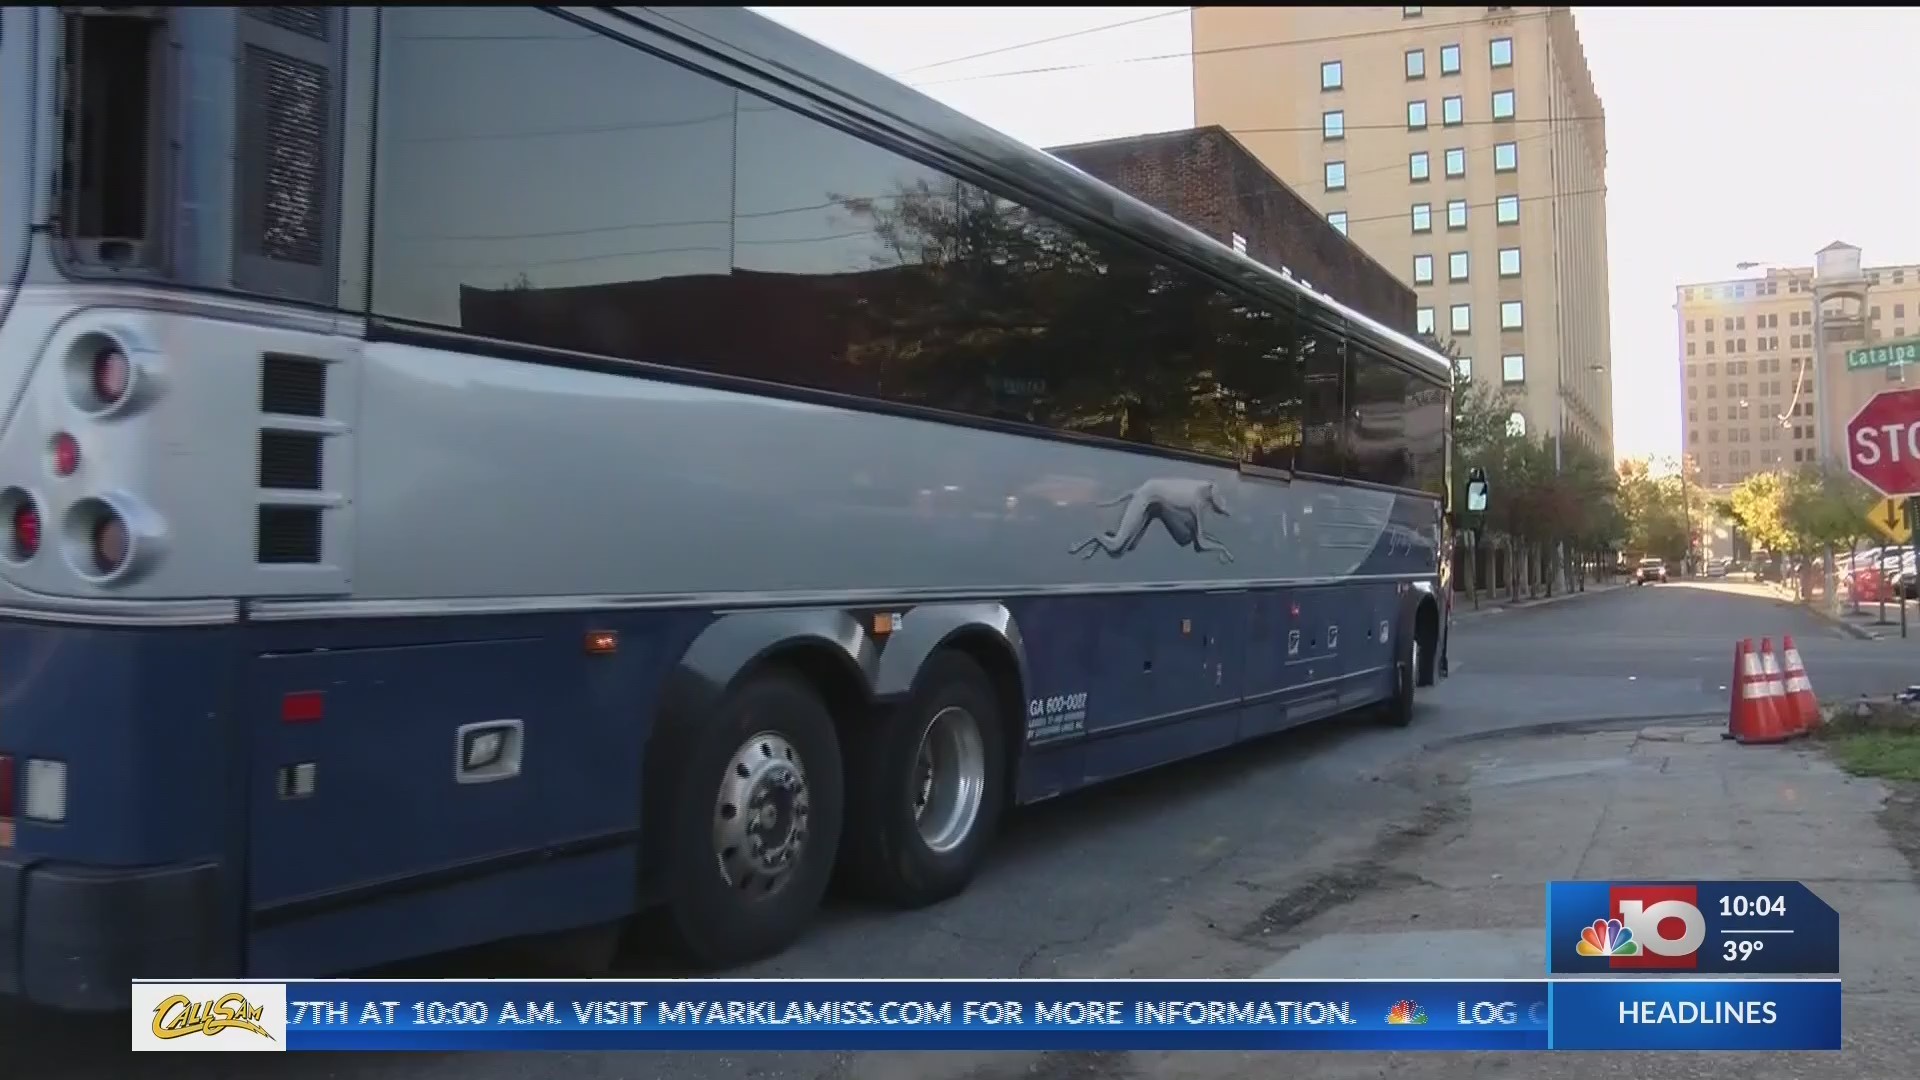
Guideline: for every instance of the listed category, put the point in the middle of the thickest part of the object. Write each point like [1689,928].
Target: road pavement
[1213,868]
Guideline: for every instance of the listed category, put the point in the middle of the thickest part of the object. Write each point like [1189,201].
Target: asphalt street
[1178,873]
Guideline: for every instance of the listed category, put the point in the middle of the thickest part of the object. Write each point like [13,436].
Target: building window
[1457,266]
[1506,210]
[1516,425]
[1689,348]
[1456,163]
[1423,320]
[1509,262]
[1336,176]
[1416,63]
[1333,125]
[1338,219]
[1423,269]
[1410,12]
[1461,318]
[1456,213]
[1503,104]
[1513,368]
[1463,368]
[1453,111]
[1506,156]
[1449,59]
[1330,75]
[1417,166]
[1500,52]
[1422,217]
[1899,311]
[1509,314]
[1416,115]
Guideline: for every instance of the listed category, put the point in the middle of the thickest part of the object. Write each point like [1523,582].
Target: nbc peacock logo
[1607,937]
[1406,1012]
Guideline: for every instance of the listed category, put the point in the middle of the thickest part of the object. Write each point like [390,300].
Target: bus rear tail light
[109,543]
[65,451]
[25,529]
[111,374]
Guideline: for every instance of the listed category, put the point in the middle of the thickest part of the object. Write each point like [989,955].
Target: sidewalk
[1865,624]
[1660,803]
[1492,605]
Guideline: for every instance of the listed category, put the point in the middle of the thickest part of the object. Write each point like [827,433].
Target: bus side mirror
[1477,491]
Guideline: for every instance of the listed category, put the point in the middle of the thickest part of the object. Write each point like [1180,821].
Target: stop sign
[1883,443]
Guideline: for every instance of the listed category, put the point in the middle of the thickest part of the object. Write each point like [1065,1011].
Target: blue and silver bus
[478,473]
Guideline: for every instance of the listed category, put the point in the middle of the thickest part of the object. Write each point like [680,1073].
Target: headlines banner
[741,1016]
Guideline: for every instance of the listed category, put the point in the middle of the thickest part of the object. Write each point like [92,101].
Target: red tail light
[26,531]
[111,374]
[7,798]
[66,454]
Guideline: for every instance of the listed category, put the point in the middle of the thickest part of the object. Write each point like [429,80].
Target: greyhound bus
[475,474]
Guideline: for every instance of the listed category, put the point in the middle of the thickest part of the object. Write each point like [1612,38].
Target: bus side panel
[385,848]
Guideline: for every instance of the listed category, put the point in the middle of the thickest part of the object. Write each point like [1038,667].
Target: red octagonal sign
[1883,443]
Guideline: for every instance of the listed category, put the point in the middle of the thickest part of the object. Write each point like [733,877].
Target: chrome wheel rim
[1413,669]
[760,815]
[950,779]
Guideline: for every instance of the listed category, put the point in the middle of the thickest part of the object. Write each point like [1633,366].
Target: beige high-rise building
[1746,349]
[1465,149]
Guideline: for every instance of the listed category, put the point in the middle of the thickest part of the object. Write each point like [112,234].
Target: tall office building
[1753,398]
[1464,148]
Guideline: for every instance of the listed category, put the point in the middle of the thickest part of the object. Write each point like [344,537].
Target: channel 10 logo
[1647,928]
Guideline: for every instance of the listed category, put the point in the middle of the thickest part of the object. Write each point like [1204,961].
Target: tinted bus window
[1377,435]
[634,208]
[1321,360]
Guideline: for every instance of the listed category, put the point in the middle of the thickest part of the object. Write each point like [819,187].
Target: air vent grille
[290,461]
[293,386]
[288,534]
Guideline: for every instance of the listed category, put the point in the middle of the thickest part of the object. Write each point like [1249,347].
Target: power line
[1190,53]
[1042,41]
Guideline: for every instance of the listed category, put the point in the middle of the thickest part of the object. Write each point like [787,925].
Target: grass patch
[1890,755]
[1880,739]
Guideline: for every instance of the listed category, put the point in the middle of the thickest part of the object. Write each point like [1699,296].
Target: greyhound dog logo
[1181,506]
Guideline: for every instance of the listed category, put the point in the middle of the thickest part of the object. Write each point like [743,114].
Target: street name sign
[1884,354]
[1889,518]
[1883,443]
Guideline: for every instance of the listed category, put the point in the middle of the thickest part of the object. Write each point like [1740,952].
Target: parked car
[1718,567]
[1650,571]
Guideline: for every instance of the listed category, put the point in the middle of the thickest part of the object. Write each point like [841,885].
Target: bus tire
[1398,711]
[927,789]
[754,824]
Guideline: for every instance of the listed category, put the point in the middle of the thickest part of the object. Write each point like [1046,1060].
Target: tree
[1655,510]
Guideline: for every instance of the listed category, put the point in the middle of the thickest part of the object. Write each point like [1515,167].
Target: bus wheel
[1398,711]
[927,790]
[756,824]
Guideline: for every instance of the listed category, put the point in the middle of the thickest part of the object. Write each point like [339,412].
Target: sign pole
[1913,515]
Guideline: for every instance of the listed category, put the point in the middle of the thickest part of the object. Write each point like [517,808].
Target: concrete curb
[1846,625]
[1528,605]
[1577,727]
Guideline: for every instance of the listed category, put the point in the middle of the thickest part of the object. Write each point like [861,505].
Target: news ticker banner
[1708,927]
[1227,1014]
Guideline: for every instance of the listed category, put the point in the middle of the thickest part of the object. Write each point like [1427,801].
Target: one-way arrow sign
[1889,518]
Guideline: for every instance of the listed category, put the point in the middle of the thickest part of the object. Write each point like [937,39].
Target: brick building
[1206,178]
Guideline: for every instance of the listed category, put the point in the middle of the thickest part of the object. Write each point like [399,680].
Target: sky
[1733,134]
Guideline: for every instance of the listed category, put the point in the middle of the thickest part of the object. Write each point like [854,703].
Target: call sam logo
[209,1016]
[179,1016]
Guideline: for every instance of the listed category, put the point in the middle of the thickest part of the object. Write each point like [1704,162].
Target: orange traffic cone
[1736,688]
[1755,716]
[1805,706]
